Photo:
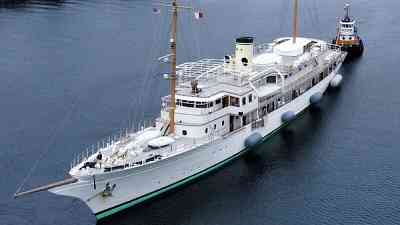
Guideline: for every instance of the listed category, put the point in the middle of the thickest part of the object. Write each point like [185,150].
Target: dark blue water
[74,72]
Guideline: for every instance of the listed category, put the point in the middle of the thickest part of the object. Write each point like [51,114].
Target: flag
[156,11]
[198,15]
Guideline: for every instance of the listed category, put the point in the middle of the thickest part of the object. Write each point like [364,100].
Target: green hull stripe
[108,212]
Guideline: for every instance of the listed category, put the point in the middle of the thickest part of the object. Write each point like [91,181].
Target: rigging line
[196,25]
[316,13]
[283,10]
[193,24]
[149,64]
[288,14]
[182,41]
[51,142]
[156,49]
[310,15]
[307,17]
[138,100]
[312,18]
[152,3]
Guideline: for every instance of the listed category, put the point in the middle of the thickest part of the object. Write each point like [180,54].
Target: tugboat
[347,36]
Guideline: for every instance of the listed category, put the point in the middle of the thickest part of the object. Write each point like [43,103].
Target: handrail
[108,142]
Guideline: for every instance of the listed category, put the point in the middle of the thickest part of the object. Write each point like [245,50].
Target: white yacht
[217,110]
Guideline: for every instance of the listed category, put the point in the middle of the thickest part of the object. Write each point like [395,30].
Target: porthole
[215,126]
[223,123]
[206,130]
[184,132]
[245,61]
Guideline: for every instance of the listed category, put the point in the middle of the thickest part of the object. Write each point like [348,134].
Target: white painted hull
[141,183]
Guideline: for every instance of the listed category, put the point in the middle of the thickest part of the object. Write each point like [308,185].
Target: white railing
[122,136]
[263,48]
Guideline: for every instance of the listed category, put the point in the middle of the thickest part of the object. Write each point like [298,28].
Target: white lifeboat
[160,142]
[146,136]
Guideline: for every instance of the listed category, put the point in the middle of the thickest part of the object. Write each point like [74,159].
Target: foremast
[173,67]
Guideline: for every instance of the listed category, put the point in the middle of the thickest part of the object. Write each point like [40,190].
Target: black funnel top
[245,40]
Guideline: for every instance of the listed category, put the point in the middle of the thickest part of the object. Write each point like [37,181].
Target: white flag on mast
[198,15]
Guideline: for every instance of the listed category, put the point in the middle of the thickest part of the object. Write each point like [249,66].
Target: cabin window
[250,98]
[184,132]
[271,79]
[218,101]
[264,110]
[206,130]
[244,101]
[245,61]
[201,105]
[294,94]
[234,101]
[215,126]
[188,103]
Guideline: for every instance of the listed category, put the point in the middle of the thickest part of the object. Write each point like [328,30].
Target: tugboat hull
[354,51]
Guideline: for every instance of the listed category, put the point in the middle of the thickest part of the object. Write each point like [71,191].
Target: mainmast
[295,20]
[173,67]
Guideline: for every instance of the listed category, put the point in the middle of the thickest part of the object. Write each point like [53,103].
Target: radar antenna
[347,10]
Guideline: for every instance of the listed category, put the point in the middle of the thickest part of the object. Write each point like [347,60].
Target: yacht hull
[136,185]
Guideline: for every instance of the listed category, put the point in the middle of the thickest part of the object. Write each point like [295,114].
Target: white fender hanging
[288,116]
[252,140]
[315,98]
[336,81]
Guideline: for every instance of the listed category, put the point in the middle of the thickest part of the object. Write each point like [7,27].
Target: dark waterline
[74,72]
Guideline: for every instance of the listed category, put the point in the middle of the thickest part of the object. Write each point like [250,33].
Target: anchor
[107,192]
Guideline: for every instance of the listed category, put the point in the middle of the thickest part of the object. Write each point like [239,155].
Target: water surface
[74,72]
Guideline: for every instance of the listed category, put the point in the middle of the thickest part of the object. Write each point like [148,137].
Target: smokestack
[244,51]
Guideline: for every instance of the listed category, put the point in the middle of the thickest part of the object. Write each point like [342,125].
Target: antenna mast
[295,20]
[173,67]
[347,11]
